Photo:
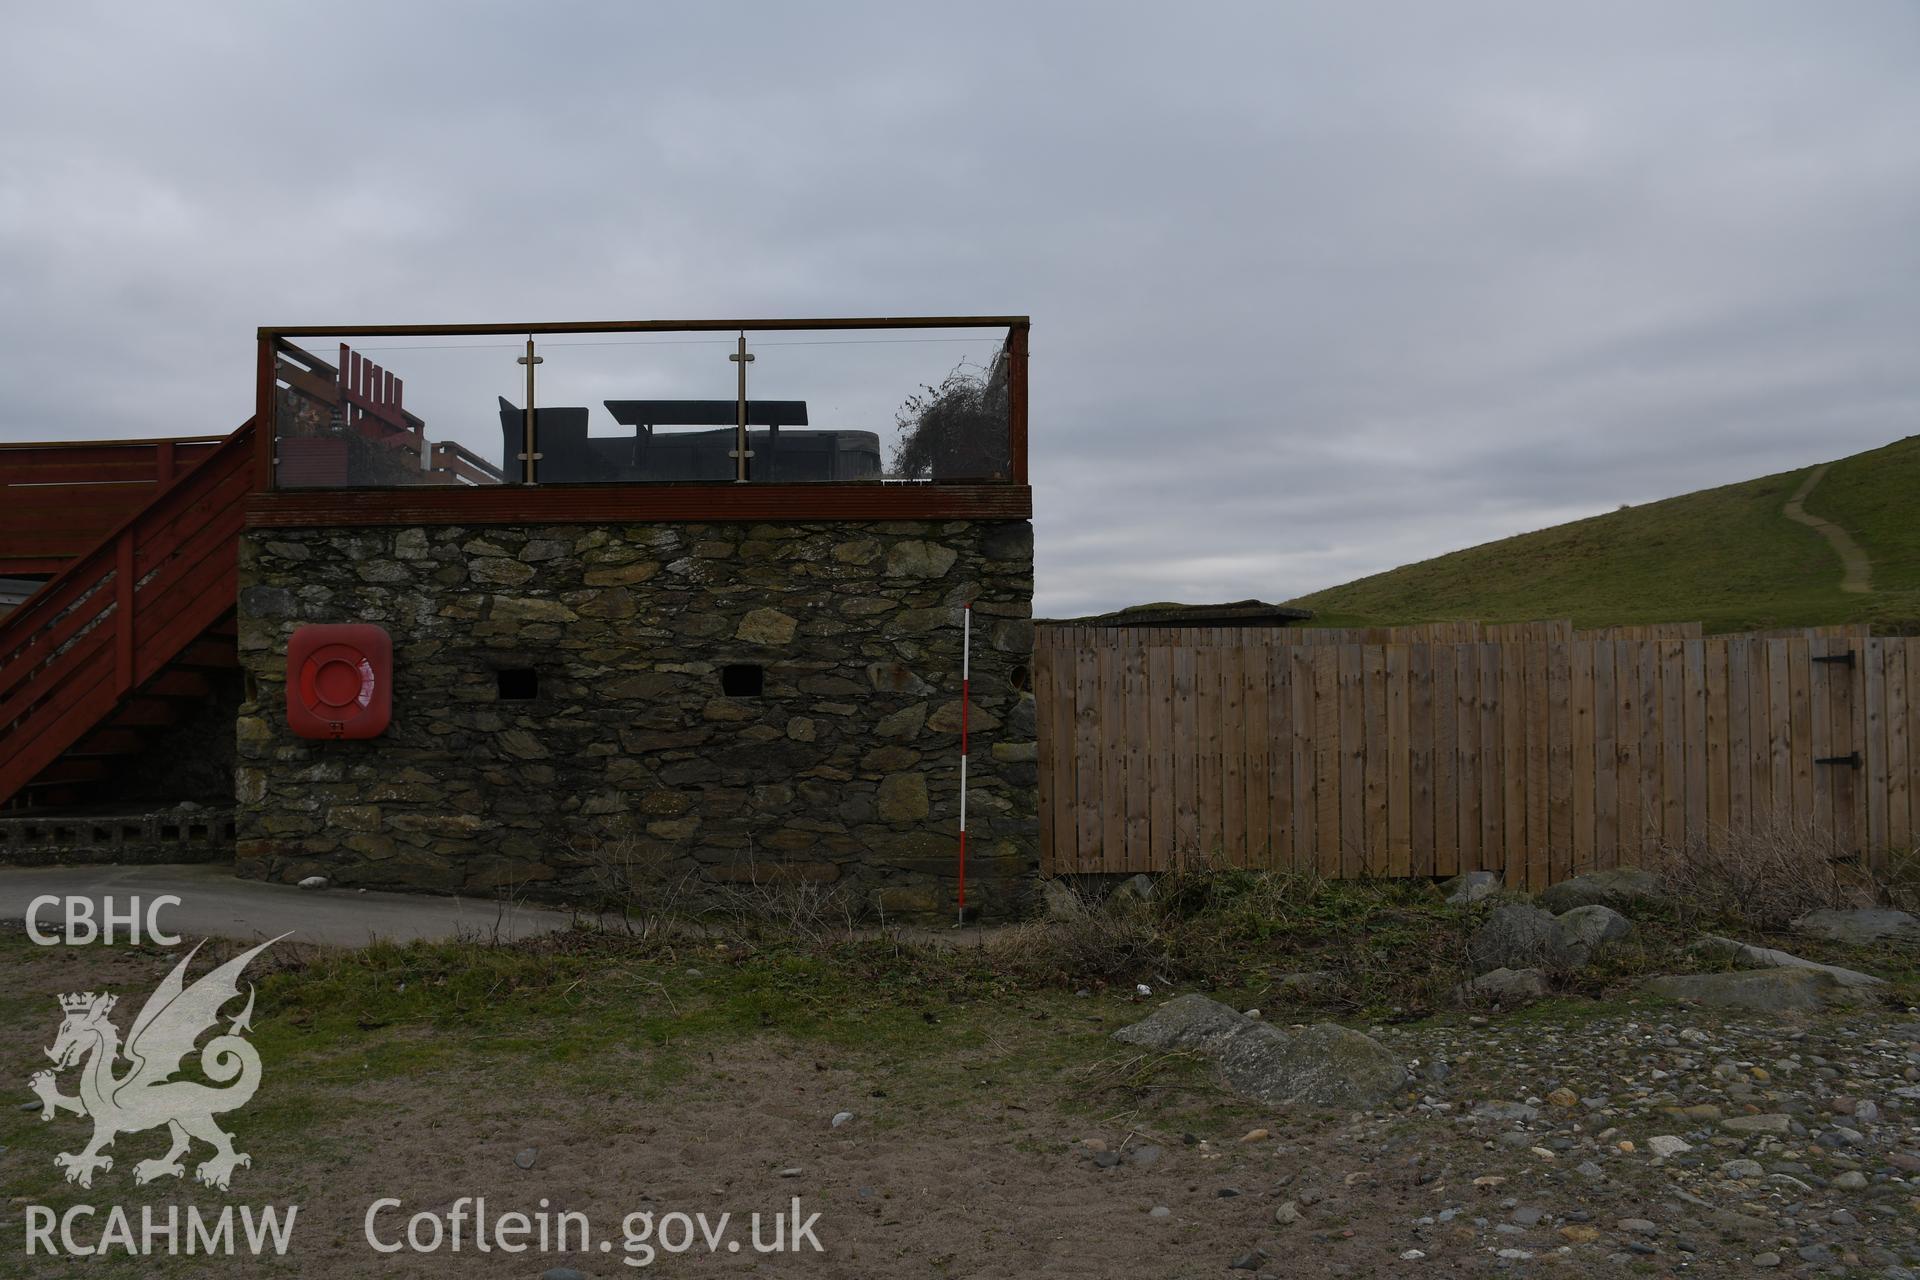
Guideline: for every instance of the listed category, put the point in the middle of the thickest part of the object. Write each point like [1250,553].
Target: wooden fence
[1540,754]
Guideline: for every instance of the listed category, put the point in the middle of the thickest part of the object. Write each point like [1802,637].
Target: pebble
[1159,1211]
[1775,1124]
[1852,1180]
[840,1118]
[1667,1146]
[792,1171]
[562,1273]
[1288,1213]
[526,1157]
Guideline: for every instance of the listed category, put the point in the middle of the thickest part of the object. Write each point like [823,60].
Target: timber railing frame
[117,615]
[451,502]
[59,498]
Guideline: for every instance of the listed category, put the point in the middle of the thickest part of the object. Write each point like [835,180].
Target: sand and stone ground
[1016,1138]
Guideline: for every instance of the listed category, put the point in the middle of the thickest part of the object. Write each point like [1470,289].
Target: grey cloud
[1317,288]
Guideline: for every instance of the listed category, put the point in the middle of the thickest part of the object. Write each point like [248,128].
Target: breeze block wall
[631,768]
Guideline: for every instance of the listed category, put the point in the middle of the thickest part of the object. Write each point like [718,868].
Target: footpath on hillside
[1858,576]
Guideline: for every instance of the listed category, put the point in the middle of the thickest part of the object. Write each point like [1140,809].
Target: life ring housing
[340,681]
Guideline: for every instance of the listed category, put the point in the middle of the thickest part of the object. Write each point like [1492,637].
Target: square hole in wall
[743,679]
[518,684]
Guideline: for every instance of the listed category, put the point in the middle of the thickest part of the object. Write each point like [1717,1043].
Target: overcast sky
[1317,289]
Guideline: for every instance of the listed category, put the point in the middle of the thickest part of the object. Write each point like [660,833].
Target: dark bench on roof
[569,454]
[779,453]
[566,454]
[704,455]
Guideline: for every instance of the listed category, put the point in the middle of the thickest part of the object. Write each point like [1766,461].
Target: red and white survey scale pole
[966,648]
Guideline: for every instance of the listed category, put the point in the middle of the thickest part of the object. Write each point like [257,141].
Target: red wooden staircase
[120,645]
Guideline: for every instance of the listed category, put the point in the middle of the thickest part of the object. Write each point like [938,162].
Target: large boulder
[1582,932]
[1323,1065]
[1469,887]
[1621,888]
[1508,988]
[1062,901]
[1516,936]
[1748,956]
[1753,990]
[1133,890]
[1860,927]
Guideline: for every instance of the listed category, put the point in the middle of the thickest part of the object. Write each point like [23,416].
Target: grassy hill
[1727,557]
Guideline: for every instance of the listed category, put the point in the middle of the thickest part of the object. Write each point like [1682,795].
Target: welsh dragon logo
[146,1096]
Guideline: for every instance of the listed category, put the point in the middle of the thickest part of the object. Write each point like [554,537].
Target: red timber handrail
[57,498]
[119,613]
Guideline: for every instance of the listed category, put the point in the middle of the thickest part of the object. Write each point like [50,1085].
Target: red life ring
[339,681]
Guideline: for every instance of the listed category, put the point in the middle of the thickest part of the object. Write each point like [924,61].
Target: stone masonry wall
[630,768]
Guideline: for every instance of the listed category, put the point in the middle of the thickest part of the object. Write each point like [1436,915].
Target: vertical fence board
[1209,729]
[1113,764]
[1739,757]
[1821,738]
[1559,677]
[1606,756]
[1301,721]
[1399,752]
[1583,726]
[1353,761]
[1536,717]
[1843,704]
[1374,830]
[1267,805]
[1493,761]
[1049,804]
[1258,693]
[1444,673]
[1160,759]
[1088,751]
[1186,748]
[1781,729]
[1233,757]
[1673,743]
[1329,767]
[1760,797]
[1873,720]
[1513,747]
[1912,646]
[1899,782]
[1695,692]
[1652,810]
[1137,710]
[1466,786]
[1420,695]
[1628,688]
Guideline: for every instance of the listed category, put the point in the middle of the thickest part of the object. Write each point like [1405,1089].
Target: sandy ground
[987,1180]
